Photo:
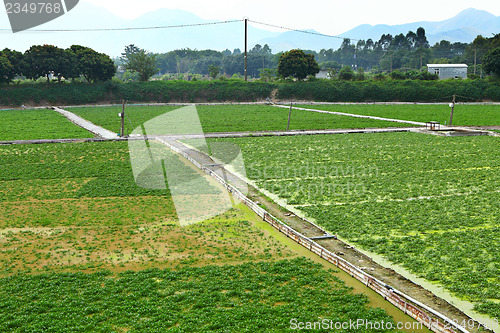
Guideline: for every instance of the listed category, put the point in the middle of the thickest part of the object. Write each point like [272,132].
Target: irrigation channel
[409,297]
[313,238]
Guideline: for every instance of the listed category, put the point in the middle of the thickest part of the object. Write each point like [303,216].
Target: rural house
[447,71]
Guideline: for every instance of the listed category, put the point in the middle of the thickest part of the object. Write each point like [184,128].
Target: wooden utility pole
[452,109]
[246,47]
[289,116]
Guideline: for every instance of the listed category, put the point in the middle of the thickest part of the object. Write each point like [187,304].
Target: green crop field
[83,248]
[80,205]
[33,124]
[250,297]
[230,118]
[463,114]
[429,203]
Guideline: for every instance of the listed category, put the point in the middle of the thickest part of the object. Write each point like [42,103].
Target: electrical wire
[456,53]
[132,28]
[185,26]
[303,31]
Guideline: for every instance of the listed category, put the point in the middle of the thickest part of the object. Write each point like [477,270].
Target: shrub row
[237,90]
[198,91]
[157,91]
[38,94]
[402,91]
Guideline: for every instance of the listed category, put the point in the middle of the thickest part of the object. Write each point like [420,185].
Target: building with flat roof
[447,71]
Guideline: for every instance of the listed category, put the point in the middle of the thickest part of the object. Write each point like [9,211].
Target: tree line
[402,52]
[403,56]
[407,52]
[54,63]
[188,62]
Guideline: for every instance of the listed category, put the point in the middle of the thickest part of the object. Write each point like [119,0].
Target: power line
[185,26]
[303,31]
[132,28]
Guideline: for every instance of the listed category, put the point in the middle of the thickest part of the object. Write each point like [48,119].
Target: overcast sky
[326,16]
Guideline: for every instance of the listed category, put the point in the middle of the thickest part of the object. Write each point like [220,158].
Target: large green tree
[43,60]
[297,64]
[16,60]
[491,61]
[5,69]
[140,61]
[94,66]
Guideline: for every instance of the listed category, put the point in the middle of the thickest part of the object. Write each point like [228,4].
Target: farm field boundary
[97,130]
[442,127]
[431,318]
[356,115]
[43,141]
[222,135]
[104,134]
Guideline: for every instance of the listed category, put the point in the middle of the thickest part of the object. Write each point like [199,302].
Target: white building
[447,71]
[323,74]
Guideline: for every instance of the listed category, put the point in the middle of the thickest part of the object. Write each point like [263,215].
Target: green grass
[465,115]
[429,203]
[229,118]
[34,124]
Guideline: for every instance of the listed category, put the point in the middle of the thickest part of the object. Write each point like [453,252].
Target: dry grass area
[86,211]
[227,239]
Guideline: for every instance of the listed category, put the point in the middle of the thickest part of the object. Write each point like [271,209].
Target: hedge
[240,91]
[390,91]
[154,91]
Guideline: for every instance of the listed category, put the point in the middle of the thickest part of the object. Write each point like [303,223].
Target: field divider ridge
[353,115]
[85,124]
[432,319]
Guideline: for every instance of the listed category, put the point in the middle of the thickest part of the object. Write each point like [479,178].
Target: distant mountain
[300,40]
[463,28]
[87,16]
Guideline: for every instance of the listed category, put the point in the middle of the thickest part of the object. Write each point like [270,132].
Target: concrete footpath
[354,115]
[442,128]
[91,127]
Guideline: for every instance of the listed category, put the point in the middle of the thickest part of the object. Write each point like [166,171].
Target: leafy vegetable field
[230,118]
[250,297]
[463,115]
[37,124]
[82,248]
[58,171]
[428,203]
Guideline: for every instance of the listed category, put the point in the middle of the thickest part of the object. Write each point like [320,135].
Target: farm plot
[428,203]
[250,297]
[37,124]
[82,247]
[78,202]
[230,118]
[118,247]
[464,115]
